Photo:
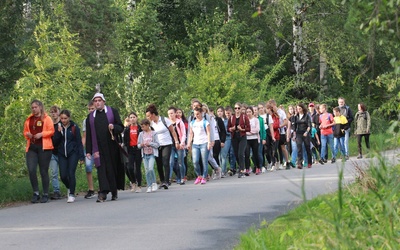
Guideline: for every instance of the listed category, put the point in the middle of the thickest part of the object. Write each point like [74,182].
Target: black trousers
[162,161]
[134,172]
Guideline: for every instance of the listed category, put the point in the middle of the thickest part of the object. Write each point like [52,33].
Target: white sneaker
[154,187]
[281,167]
[133,187]
[273,168]
[149,189]
[71,199]
[219,173]
[138,189]
[263,170]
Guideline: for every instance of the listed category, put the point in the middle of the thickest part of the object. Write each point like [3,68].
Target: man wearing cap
[103,125]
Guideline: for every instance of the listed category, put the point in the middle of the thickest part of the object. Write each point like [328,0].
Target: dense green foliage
[168,51]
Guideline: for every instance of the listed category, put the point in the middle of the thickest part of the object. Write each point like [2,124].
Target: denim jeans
[325,141]
[294,151]
[148,162]
[54,173]
[68,169]
[34,157]
[339,142]
[225,154]
[346,141]
[179,165]
[200,153]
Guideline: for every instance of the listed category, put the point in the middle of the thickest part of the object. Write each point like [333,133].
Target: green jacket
[263,133]
[362,123]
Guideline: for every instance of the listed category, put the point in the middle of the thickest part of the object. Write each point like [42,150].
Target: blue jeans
[224,154]
[148,161]
[325,140]
[339,142]
[346,141]
[200,152]
[54,173]
[180,166]
[294,151]
[68,169]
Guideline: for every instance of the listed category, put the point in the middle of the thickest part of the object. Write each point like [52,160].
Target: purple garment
[95,146]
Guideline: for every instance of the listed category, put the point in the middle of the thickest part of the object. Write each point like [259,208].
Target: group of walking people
[238,141]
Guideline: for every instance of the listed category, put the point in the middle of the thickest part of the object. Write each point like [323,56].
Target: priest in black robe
[103,126]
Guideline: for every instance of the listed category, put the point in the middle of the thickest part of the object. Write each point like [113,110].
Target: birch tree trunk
[300,57]
[229,4]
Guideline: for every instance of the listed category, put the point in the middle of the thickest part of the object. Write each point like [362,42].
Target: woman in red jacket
[38,130]
[238,125]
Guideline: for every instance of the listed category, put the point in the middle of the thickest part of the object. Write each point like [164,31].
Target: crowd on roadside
[233,141]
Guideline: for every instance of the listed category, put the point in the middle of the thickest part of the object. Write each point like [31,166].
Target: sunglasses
[237,107]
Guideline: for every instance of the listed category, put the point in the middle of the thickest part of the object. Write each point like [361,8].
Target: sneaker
[281,167]
[219,173]
[138,189]
[101,197]
[309,165]
[287,166]
[269,167]
[299,166]
[182,183]
[35,198]
[114,197]
[149,189]
[247,172]
[321,162]
[163,185]
[333,160]
[90,194]
[203,181]
[273,168]
[325,160]
[154,187]
[133,187]
[263,170]
[346,157]
[257,171]
[240,175]
[45,198]
[198,180]
[71,198]
[56,196]
[359,156]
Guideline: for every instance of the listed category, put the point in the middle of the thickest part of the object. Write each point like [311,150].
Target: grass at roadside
[362,215]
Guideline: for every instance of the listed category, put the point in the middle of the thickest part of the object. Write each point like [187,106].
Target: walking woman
[178,149]
[200,143]
[131,134]
[253,140]
[362,125]
[38,130]
[302,128]
[238,125]
[164,129]
[70,151]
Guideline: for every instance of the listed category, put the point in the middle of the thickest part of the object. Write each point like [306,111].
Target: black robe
[110,173]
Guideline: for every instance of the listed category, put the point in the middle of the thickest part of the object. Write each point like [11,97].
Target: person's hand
[38,136]
[264,142]
[29,135]
[89,156]
[111,126]
[222,144]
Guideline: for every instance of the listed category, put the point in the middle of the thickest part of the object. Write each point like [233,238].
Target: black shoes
[321,162]
[333,160]
[56,196]
[90,194]
[101,197]
[35,198]
[45,199]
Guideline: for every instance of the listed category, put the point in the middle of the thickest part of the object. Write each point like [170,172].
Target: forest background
[168,51]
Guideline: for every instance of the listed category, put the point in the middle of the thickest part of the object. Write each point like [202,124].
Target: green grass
[362,215]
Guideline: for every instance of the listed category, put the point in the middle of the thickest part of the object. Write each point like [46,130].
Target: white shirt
[254,129]
[199,133]
[270,120]
[162,132]
[282,117]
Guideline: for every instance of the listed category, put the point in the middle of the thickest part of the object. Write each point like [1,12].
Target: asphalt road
[210,216]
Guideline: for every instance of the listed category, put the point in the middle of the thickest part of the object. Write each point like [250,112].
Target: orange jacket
[48,131]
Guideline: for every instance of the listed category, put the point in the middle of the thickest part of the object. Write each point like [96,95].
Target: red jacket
[243,122]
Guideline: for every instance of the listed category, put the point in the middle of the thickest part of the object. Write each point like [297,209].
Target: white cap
[99,95]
